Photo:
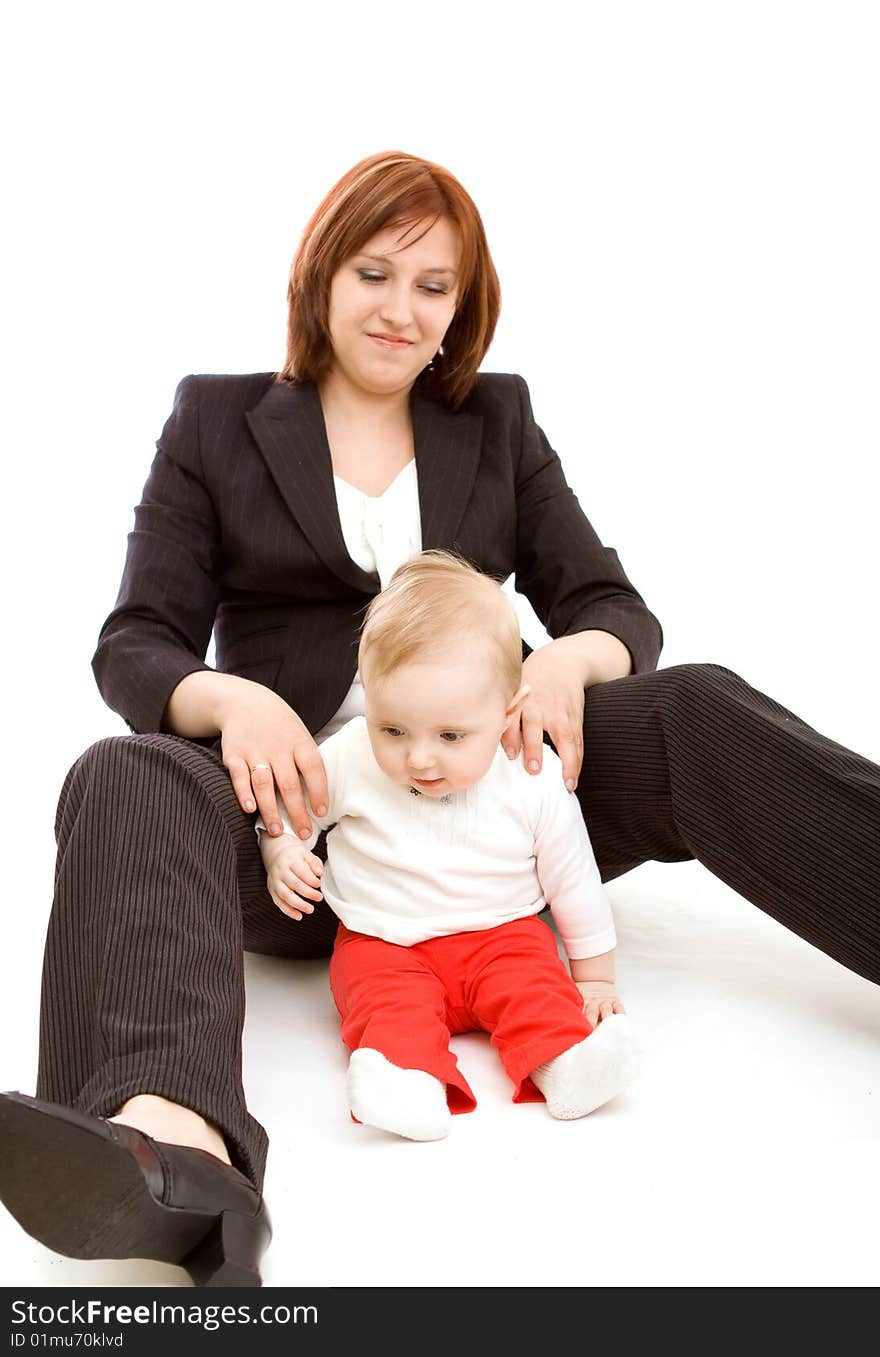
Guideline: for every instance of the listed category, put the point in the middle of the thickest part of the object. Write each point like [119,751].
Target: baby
[443,853]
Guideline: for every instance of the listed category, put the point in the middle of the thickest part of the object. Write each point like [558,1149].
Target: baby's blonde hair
[431,602]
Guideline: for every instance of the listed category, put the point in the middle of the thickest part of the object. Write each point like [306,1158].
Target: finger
[293,894]
[605,1010]
[576,725]
[591,1012]
[567,749]
[290,791]
[532,738]
[316,864]
[305,872]
[302,888]
[263,784]
[579,749]
[510,737]
[240,776]
[302,885]
[618,1006]
[311,765]
[292,898]
[285,909]
[295,868]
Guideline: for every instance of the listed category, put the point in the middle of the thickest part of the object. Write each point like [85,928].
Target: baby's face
[436,726]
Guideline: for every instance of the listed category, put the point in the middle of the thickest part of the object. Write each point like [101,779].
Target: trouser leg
[391,999]
[516,987]
[692,762]
[143,972]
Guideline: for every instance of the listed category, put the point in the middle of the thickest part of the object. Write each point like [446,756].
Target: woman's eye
[368,277]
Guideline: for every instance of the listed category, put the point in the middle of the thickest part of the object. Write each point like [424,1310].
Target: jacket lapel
[447,456]
[288,426]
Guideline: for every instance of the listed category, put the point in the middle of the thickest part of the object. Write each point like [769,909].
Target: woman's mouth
[389,342]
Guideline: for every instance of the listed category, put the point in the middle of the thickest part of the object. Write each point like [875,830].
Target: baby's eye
[451,736]
[393,731]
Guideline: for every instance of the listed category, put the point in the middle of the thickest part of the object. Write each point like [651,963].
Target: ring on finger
[255,767]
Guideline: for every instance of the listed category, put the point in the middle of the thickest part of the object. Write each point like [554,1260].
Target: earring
[438,354]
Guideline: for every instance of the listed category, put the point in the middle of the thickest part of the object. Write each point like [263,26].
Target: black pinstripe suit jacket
[238,531]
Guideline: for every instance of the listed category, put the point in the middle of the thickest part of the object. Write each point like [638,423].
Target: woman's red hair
[392,188]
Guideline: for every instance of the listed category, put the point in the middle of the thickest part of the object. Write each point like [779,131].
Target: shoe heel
[229,1254]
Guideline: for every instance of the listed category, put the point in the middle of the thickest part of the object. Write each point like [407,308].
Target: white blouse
[380,532]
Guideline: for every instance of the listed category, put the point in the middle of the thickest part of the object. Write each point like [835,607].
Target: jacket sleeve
[572,581]
[159,629]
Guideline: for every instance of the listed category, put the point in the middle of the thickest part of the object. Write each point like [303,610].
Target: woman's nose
[397,305]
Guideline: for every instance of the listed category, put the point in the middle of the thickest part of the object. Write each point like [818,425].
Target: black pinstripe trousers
[160,885]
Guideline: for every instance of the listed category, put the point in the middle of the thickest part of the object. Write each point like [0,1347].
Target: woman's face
[404,293]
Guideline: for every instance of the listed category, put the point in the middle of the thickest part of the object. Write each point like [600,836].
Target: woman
[276,507]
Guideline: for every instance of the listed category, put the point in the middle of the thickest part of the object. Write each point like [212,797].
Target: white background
[682,203]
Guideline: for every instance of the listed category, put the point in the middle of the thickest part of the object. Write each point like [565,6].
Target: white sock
[411,1103]
[590,1073]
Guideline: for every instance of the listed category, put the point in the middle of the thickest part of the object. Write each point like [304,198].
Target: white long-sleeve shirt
[406,867]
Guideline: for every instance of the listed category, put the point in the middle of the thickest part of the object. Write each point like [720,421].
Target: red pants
[408,1001]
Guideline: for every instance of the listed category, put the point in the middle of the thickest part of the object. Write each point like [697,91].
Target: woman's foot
[590,1073]
[94,1188]
[169,1122]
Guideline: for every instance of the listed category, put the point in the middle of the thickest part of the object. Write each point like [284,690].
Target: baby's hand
[293,875]
[600,1000]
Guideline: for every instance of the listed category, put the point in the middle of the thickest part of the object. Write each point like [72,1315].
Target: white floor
[746,1155]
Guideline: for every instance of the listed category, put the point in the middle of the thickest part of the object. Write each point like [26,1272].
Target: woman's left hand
[556,675]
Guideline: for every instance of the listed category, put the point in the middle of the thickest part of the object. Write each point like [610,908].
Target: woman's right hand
[266,746]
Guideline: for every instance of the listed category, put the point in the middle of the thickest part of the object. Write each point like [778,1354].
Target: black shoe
[97,1189]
